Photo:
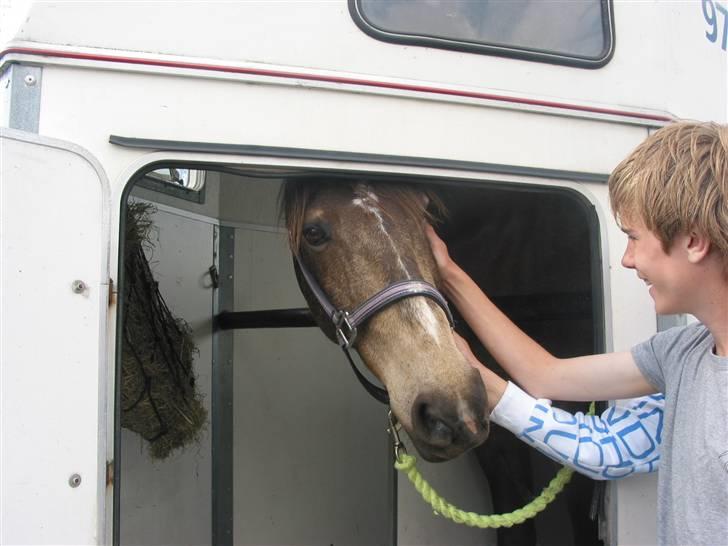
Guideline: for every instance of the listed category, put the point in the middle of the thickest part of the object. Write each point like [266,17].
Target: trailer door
[54,293]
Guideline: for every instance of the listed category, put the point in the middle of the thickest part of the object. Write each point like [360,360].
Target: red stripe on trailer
[332,79]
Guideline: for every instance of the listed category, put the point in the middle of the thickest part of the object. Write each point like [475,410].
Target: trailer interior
[294,451]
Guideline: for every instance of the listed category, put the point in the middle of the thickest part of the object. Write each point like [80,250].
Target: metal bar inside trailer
[272,318]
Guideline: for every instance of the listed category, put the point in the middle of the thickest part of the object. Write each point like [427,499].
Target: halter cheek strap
[347,323]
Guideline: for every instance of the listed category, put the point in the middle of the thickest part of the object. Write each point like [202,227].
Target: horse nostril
[432,423]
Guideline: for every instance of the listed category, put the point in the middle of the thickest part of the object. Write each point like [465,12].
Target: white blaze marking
[368,200]
[427,319]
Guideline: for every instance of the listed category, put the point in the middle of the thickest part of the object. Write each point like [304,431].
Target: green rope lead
[406,463]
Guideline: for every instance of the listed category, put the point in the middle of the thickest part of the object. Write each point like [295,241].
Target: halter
[346,323]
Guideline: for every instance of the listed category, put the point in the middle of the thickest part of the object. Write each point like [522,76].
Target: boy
[670,197]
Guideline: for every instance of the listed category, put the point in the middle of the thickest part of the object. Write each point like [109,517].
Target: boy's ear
[698,247]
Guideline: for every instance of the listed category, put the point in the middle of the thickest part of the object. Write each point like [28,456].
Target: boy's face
[669,276]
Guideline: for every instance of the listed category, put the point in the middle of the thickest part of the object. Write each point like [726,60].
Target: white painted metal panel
[159,107]
[661,48]
[53,369]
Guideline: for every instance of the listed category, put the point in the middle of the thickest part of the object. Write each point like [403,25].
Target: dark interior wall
[533,252]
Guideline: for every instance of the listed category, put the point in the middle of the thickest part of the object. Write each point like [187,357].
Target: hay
[159,399]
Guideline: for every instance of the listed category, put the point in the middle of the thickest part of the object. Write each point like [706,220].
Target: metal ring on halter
[341,318]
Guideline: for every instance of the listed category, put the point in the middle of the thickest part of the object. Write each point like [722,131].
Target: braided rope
[406,463]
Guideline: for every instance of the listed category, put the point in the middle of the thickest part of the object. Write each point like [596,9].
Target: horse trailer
[195,113]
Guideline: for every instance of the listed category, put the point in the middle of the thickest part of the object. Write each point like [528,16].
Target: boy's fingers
[439,249]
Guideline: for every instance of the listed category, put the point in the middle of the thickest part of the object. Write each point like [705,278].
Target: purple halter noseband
[346,323]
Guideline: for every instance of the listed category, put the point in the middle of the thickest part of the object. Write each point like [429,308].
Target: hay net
[159,398]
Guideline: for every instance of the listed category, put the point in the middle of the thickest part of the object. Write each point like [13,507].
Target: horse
[357,238]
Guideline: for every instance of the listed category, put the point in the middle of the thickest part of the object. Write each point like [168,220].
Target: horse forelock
[394,199]
[293,199]
[391,200]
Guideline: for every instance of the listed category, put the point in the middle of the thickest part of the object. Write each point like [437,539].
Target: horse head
[356,239]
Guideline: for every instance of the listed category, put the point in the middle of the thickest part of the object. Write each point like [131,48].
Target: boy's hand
[439,251]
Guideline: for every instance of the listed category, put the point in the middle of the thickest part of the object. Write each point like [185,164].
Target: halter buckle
[341,321]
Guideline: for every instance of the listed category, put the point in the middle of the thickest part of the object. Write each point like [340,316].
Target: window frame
[523,53]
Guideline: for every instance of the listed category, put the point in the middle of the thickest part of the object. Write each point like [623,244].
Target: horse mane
[296,193]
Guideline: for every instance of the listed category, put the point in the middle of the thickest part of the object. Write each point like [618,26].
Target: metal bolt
[29,80]
[74,480]
[78,287]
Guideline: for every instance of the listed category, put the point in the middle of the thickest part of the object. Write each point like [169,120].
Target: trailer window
[186,184]
[561,32]
[185,178]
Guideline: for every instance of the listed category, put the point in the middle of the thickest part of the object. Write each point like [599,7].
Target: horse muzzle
[443,427]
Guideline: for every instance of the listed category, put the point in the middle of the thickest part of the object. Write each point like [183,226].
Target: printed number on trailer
[716,15]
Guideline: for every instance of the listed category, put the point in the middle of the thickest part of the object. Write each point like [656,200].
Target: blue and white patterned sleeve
[624,440]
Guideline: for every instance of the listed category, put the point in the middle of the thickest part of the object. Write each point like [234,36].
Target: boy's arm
[595,377]
[624,440]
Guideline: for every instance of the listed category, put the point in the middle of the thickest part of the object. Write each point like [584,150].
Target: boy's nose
[627,259]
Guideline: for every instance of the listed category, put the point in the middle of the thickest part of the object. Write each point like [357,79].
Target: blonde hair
[676,181]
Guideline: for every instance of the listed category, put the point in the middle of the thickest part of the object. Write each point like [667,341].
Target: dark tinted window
[562,31]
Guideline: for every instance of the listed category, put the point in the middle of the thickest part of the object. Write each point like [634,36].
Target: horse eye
[315,234]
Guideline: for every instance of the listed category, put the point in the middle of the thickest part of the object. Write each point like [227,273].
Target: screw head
[78,287]
[75,480]
[29,80]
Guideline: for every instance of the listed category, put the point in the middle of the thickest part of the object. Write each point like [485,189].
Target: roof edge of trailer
[649,118]
[354,157]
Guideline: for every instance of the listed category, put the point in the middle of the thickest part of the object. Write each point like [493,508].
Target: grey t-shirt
[692,501]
